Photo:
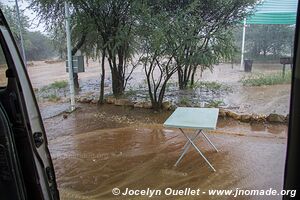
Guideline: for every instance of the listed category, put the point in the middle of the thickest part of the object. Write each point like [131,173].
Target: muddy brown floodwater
[97,149]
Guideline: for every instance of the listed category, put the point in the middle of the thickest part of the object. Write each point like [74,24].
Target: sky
[23,4]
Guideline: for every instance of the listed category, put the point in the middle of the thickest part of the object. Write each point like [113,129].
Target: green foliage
[56,85]
[214,103]
[158,46]
[272,41]
[170,36]
[213,86]
[184,101]
[11,18]
[209,85]
[53,97]
[205,39]
[267,79]
[37,46]
[59,84]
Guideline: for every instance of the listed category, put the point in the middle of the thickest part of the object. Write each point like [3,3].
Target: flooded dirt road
[94,152]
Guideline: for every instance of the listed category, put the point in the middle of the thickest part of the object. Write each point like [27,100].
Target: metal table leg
[186,147]
[208,140]
[192,143]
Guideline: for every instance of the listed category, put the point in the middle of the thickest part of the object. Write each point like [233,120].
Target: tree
[93,47]
[181,37]
[37,45]
[205,34]
[270,39]
[52,14]
[158,47]
[13,22]
[115,24]
[113,21]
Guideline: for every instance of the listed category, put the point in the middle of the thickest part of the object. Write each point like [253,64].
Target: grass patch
[267,79]
[53,98]
[214,86]
[58,85]
[214,104]
[184,101]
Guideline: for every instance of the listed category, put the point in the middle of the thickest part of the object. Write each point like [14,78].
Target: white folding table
[194,118]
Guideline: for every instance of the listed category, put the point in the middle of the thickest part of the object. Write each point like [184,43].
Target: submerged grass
[56,85]
[214,103]
[212,85]
[267,79]
[53,97]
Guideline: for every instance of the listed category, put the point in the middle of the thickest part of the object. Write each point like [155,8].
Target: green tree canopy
[37,45]
[268,41]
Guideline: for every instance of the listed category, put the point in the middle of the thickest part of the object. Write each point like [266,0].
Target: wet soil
[96,149]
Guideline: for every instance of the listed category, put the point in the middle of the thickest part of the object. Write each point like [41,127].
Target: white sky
[23,4]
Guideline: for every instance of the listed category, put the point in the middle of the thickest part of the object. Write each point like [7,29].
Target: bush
[267,79]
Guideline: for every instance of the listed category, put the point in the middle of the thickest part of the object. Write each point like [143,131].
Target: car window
[3,68]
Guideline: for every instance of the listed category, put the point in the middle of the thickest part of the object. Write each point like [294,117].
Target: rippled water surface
[127,153]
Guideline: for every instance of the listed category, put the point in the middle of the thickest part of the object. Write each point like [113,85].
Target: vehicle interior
[18,174]
[292,175]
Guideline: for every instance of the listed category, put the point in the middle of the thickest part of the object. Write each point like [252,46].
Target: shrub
[267,79]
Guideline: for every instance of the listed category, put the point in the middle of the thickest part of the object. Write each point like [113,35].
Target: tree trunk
[157,103]
[101,98]
[74,50]
[180,78]
[117,85]
[183,78]
[193,76]
[87,61]
[116,74]
[76,82]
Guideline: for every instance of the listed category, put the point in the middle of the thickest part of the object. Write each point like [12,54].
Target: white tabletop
[195,118]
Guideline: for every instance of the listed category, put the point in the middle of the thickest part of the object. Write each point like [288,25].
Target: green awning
[274,12]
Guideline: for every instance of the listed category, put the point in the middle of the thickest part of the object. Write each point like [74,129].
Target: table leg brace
[208,140]
[192,143]
[186,147]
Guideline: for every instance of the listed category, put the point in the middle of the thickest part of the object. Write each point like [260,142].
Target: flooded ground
[260,99]
[97,149]
[242,99]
